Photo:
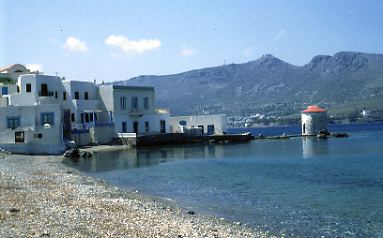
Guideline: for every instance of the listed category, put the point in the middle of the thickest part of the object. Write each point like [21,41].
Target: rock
[13,210]
[72,153]
[86,154]
[190,212]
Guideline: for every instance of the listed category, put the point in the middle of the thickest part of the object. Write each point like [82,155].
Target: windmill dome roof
[314,109]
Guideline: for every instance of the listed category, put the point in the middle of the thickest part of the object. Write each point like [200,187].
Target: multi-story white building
[132,109]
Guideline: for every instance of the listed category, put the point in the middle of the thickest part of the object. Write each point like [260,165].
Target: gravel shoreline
[40,197]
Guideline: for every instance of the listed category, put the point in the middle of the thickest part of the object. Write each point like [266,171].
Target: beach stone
[13,210]
[190,212]
[72,153]
[85,154]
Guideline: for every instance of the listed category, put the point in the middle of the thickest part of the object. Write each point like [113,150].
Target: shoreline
[40,196]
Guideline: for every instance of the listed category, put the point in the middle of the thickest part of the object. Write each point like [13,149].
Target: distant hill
[344,83]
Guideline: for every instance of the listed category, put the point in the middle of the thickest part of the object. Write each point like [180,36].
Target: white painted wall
[313,122]
[50,139]
[219,122]
[111,95]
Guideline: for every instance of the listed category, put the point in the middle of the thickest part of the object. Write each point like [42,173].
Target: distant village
[40,114]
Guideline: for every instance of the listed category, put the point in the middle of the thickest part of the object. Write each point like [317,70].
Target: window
[86,117]
[39,136]
[4,90]
[76,95]
[64,96]
[72,117]
[124,129]
[91,117]
[56,96]
[47,118]
[44,90]
[146,126]
[146,103]
[134,102]
[123,103]
[82,117]
[86,96]
[182,123]
[13,122]
[18,89]
[28,88]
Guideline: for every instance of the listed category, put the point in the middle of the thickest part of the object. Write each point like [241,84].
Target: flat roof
[125,87]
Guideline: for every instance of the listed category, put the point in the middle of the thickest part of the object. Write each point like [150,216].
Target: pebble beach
[41,197]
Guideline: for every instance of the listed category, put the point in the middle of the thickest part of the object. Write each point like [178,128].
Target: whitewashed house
[132,109]
[78,103]
[31,129]
[208,124]
[13,71]
[40,112]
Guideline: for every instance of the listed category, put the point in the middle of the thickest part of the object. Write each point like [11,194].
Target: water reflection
[312,147]
[136,158]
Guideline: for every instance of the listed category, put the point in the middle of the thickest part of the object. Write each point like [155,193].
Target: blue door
[210,129]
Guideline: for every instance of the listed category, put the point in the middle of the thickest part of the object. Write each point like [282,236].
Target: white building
[31,129]
[132,109]
[80,116]
[209,124]
[314,119]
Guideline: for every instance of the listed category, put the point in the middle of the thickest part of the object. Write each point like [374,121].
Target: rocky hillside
[345,83]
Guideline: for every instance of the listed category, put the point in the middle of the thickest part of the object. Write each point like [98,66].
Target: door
[67,124]
[19,137]
[162,126]
[210,129]
[124,129]
[135,127]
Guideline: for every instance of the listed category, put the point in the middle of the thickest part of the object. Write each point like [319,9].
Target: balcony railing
[97,124]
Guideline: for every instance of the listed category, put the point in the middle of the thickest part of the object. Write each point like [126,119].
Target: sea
[297,187]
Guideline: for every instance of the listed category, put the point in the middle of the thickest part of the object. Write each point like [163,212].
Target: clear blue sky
[116,40]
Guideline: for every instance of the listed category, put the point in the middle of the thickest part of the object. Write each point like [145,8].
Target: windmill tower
[314,119]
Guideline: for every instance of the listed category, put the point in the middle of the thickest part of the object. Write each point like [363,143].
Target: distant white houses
[313,119]
[13,71]
[208,124]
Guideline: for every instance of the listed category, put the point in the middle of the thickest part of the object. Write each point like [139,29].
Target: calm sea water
[302,187]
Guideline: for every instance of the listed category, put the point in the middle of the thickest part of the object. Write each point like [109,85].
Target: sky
[117,40]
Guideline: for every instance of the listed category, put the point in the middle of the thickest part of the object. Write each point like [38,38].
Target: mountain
[344,83]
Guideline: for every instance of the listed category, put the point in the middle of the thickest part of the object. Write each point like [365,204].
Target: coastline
[41,197]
